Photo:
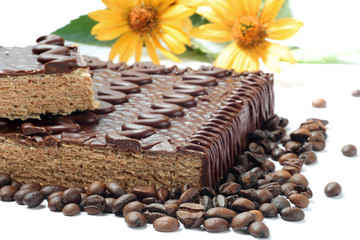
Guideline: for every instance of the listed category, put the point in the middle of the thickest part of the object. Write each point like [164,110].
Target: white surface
[295,87]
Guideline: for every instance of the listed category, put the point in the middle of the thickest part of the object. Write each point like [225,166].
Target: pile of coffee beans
[252,190]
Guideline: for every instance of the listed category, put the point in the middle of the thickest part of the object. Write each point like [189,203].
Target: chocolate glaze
[207,112]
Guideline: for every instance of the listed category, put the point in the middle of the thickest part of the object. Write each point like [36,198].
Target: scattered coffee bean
[258,215]
[19,195]
[349,150]
[71,209]
[7,193]
[308,157]
[191,215]
[268,210]
[332,189]
[207,202]
[149,200]
[55,203]
[221,212]
[229,188]
[259,229]
[134,206]
[242,220]
[5,179]
[34,185]
[166,224]
[96,188]
[319,103]
[292,214]
[286,156]
[318,143]
[299,179]
[120,202]
[115,189]
[264,196]
[220,201]
[190,195]
[216,224]
[280,203]
[71,196]
[144,192]
[33,199]
[15,183]
[300,135]
[208,191]
[135,219]
[356,93]
[299,200]
[163,194]
[108,204]
[277,153]
[243,204]
[94,204]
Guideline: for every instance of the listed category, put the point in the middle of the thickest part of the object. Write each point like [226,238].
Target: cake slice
[48,78]
[156,126]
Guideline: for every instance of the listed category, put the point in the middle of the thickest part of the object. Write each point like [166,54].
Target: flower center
[248,32]
[142,19]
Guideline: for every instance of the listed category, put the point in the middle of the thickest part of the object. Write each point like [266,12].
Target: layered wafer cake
[156,125]
[47,78]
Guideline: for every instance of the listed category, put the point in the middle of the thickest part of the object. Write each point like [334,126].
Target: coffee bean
[33,199]
[16,183]
[7,193]
[5,179]
[121,201]
[221,212]
[230,177]
[306,191]
[286,156]
[216,224]
[286,188]
[172,201]
[19,195]
[256,148]
[55,194]
[299,200]
[265,144]
[71,209]
[280,203]
[143,192]
[166,224]
[207,202]
[208,191]
[229,188]
[268,210]
[272,122]
[332,189]
[269,166]
[152,216]
[294,161]
[299,179]
[250,194]
[115,189]
[273,145]
[220,201]
[258,159]
[285,139]
[319,103]
[292,214]
[274,188]
[190,195]
[71,196]
[108,204]
[356,93]
[96,188]
[163,194]
[47,190]
[349,150]
[283,122]
[313,125]
[317,142]
[292,146]
[291,168]
[258,215]
[191,215]
[308,157]
[134,206]
[264,196]
[149,200]
[243,204]
[242,220]
[135,219]
[247,180]
[281,176]
[34,185]
[277,153]
[279,133]
[257,135]
[259,230]
[300,135]
[175,193]
[171,209]
[55,203]
[94,204]
[187,186]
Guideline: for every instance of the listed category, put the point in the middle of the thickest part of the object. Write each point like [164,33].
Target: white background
[329,26]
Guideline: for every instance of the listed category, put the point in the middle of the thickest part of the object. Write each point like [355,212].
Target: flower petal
[283,52]
[120,5]
[283,28]
[224,11]
[176,13]
[138,49]
[270,10]
[151,49]
[246,60]
[269,59]
[192,3]
[227,56]
[163,5]
[177,33]
[106,34]
[120,45]
[208,13]
[108,15]
[212,32]
[165,52]
[250,7]
[173,43]
[129,48]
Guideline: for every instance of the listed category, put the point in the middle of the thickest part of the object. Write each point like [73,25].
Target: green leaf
[198,20]
[78,30]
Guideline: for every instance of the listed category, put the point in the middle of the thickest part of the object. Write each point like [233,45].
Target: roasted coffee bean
[71,209]
[143,192]
[306,191]
[332,189]
[265,145]
[163,195]
[300,135]
[291,168]
[256,148]
[247,180]
[230,200]
[94,204]
[5,179]
[134,206]
[313,125]
[47,190]
[286,188]
[307,146]
[294,161]
[274,188]
[308,157]
[322,121]
[262,181]
[15,183]
[242,205]
[7,193]
[259,230]
[257,135]
[149,200]
[175,193]
[230,178]
[277,153]
[191,215]
[135,219]
[258,215]
[273,145]
[121,201]
[319,133]
[71,196]
[242,220]
[285,139]
[33,199]
[115,189]
[250,194]
[237,170]
[280,203]
[166,224]
[190,195]
[186,187]
[356,93]
[229,188]
[268,165]
[264,196]
[55,203]
[283,122]
[207,202]
[269,136]
[220,212]
[216,224]
[317,142]
[281,176]
[219,201]
[208,191]
[152,216]
[96,188]
[80,189]
[292,146]
[171,209]
[172,201]
[319,103]
[299,200]
[299,179]
[156,207]
[258,159]
[278,133]
[108,204]
[34,185]
[349,150]
[272,122]
[83,196]
[268,210]
[292,214]
[286,156]
[55,194]
[19,195]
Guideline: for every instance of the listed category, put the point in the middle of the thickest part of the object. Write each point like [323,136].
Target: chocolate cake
[48,78]
[156,125]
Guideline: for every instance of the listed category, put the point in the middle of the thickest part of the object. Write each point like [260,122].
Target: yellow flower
[241,22]
[139,22]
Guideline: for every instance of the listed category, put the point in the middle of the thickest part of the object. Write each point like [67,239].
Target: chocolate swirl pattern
[53,54]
